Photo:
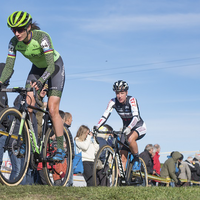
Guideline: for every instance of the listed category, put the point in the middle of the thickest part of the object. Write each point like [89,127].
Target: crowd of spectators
[181,172]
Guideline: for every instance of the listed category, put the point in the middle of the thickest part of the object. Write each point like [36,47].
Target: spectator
[67,124]
[168,169]
[102,138]
[146,155]
[196,158]
[196,175]
[194,168]
[156,161]
[89,147]
[3,104]
[185,172]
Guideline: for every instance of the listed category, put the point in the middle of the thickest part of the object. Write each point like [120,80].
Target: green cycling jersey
[39,50]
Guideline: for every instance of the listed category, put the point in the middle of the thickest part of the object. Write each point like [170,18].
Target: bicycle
[22,146]
[108,168]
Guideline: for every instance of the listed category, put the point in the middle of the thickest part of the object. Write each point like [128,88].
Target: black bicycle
[108,169]
[21,147]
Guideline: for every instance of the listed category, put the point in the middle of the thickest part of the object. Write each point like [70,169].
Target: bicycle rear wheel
[138,177]
[55,173]
[13,162]
[105,171]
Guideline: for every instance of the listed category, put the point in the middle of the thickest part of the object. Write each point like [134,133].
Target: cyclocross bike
[21,147]
[108,169]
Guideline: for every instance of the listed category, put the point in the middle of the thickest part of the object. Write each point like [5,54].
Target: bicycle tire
[51,168]
[139,177]
[104,172]
[13,174]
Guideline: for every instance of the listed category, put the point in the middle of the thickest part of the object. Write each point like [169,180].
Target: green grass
[87,193]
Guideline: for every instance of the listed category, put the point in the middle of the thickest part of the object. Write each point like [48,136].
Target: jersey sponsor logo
[133,102]
[45,44]
[45,75]
[37,55]
[53,88]
[11,48]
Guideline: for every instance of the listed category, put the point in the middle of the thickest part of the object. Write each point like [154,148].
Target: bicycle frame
[26,118]
[117,154]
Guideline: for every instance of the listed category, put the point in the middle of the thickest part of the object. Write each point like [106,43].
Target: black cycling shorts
[55,82]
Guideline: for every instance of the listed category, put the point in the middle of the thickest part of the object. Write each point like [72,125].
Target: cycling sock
[60,142]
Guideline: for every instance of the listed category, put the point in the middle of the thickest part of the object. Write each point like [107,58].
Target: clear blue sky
[153,45]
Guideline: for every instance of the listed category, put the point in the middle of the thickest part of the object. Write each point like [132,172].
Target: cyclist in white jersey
[127,108]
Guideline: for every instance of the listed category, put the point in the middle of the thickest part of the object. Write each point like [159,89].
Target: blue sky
[153,45]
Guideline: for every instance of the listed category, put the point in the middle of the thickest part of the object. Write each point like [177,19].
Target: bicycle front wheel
[138,177]
[55,173]
[14,149]
[105,171]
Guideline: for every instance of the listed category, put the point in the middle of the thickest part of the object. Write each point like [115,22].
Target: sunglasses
[19,30]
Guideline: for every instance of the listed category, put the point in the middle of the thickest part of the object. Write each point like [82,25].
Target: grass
[96,193]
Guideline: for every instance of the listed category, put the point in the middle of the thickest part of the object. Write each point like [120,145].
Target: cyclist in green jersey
[47,64]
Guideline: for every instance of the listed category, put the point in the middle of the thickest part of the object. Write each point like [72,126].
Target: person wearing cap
[185,172]
[47,64]
[105,138]
[127,108]
[197,159]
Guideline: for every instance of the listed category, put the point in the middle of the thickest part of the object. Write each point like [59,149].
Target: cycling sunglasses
[18,29]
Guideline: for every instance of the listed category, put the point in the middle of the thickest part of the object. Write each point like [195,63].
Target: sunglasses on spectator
[19,30]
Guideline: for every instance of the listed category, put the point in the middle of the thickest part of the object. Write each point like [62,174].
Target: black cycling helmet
[120,86]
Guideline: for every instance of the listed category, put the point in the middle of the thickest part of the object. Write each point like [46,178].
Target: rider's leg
[53,105]
[132,137]
[124,155]
[30,101]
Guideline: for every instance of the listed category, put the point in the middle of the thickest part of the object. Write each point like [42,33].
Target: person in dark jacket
[146,155]
[194,168]
[3,105]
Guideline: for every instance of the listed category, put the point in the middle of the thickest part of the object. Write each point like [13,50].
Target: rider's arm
[106,113]
[8,69]
[135,112]
[46,45]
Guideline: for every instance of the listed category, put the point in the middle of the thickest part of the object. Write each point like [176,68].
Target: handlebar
[22,90]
